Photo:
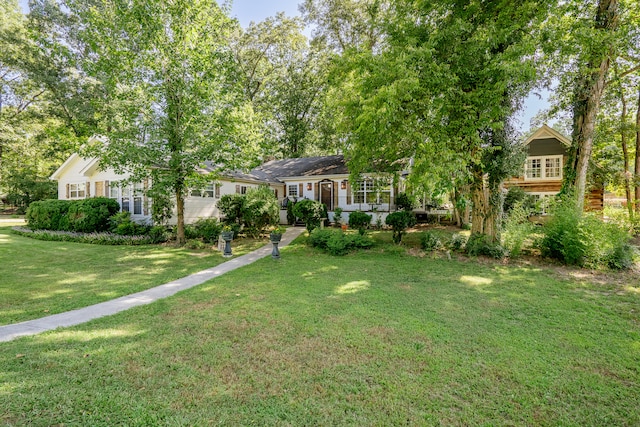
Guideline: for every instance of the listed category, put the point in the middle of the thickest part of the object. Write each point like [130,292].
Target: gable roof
[545,132]
[304,166]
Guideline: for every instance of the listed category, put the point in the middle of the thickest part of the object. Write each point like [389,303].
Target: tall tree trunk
[637,162]
[180,237]
[587,95]
[486,212]
[625,148]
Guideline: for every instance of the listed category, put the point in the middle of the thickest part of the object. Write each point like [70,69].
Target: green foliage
[232,207]
[481,244]
[457,242]
[162,206]
[311,212]
[584,239]
[158,234]
[23,187]
[405,202]
[360,221]
[563,237]
[92,238]
[122,224]
[335,242]
[48,215]
[208,229]
[337,215]
[430,241]
[261,210]
[516,196]
[91,215]
[291,218]
[400,221]
[517,227]
[195,244]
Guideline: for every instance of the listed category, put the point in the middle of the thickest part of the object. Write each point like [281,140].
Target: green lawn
[39,278]
[375,338]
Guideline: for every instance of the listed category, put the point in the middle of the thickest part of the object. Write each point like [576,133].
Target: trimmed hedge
[92,215]
[93,238]
[48,215]
[85,216]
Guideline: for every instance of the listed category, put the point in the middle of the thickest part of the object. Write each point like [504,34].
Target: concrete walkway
[82,315]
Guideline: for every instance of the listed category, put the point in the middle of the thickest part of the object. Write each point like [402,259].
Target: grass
[39,278]
[374,338]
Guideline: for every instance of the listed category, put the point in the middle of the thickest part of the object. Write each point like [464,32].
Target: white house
[325,179]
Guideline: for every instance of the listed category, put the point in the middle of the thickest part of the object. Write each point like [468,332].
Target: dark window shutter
[348,193]
[300,189]
[107,189]
[145,200]
[87,194]
[316,192]
[335,194]
[68,190]
[237,189]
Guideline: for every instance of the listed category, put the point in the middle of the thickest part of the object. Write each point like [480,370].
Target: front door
[326,194]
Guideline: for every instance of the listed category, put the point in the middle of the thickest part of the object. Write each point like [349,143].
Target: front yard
[39,278]
[375,338]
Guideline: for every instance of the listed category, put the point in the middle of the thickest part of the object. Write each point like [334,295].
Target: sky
[257,10]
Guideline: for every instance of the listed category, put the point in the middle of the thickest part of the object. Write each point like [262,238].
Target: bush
[457,242]
[92,238]
[360,221]
[291,218]
[337,215]
[91,215]
[563,237]
[336,242]
[122,224]
[517,228]
[516,196]
[261,210]
[480,244]
[400,221]
[208,229]
[232,208]
[429,241]
[158,234]
[404,202]
[311,212]
[48,215]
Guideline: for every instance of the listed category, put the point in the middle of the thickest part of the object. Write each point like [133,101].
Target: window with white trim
[137,198]
[373,192]
[77,191]
[543,167]
[293,190]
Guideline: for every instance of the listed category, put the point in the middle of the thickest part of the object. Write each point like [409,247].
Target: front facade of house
[324,179]
[544,167]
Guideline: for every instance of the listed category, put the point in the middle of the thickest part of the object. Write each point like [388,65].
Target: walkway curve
[107,308]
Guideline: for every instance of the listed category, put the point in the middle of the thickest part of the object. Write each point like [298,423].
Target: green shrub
[480,244]
[336,242]
[318,238]
[76,237]
[48,215]
[158,234]
[291,218]
[232,208]
[208,229]
[195,244]
[122,224]
[564,238]
[311,212]
[261,210]
[429,241]
[337,215]
[360,221]
[516,196]
[517,228]
[405,202]
[606,244]
[399,222]
[457,242]
[92,215]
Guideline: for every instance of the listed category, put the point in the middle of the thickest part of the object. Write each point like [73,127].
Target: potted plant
[227,236]
[275,237]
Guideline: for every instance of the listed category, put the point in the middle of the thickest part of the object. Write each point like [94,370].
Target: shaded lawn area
[375,338]
[39,278]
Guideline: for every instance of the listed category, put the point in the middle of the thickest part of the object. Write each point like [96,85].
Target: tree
[167,78]
[441,91]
